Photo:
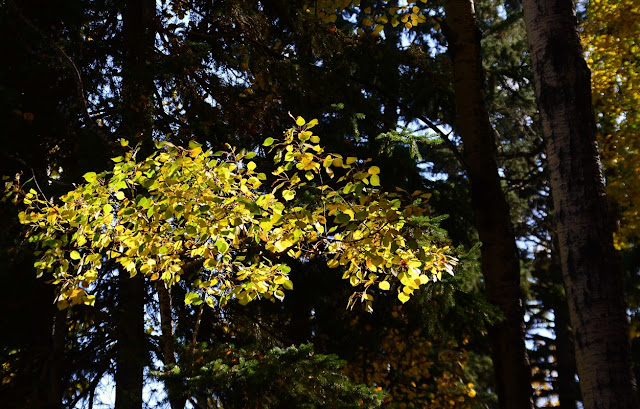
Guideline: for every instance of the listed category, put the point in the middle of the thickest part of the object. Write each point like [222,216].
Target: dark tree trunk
[591,272]
[54,368]
[567,387]
[137,125]
[500,264]
[131,357]
[176,400]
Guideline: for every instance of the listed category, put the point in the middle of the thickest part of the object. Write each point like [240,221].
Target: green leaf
[192,298]
[288,285]
[268,142]
[90,177]
[288,194]
[75,255]
[222,246]
[375,180]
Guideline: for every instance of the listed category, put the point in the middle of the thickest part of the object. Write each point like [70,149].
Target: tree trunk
[500,264]
[567,388]
[131,356]
[176,400]
[591,273]
[137,125]
[54,369]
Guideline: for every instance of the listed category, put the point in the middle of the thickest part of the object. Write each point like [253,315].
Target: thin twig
[38,186]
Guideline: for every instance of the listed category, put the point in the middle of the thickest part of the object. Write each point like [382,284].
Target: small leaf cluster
[409,15]
[209,216]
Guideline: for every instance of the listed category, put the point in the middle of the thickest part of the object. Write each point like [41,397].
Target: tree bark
[131,353]
[567,388]
[176,400]
[500,264]
[54,369]
[138,19]
[590,268]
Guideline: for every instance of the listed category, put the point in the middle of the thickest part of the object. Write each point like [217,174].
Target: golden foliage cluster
[610,38]
[208,216]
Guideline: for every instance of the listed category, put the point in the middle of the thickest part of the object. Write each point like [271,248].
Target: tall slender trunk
[567,388]
[131,356]
[176,400]
[500,264]
[590,268]
[137,124]
[55,365]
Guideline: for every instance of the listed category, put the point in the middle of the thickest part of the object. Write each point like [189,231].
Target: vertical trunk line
[138,17]
[131,352]
[592,276]
[176,400]
[500,264]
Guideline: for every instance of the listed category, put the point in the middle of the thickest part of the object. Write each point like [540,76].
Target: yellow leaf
[268,142]
[288,194]
[403,297]
[195,151]
[374,180]
[384,285]
[374,170]
[300,121]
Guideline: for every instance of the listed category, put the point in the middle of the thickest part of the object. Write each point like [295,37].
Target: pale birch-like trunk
[591,273]
[500,264]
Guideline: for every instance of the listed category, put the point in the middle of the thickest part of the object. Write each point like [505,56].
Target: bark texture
[176,400]
[567,387]
[500,264]
[591,273]
[138,19]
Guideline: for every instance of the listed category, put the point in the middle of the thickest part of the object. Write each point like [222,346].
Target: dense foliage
[151,148]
